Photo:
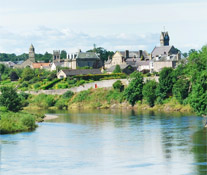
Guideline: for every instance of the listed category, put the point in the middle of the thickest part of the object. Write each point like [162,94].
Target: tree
[133,92]
[165,86]
[104,54]
[10,99]
[27,74]
[148,92]
[2,68]
[14,76]
[181,89]
[63,54]
[118,85]
[198,97]
[117,69]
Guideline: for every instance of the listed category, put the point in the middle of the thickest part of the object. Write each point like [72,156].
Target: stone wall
[98,84]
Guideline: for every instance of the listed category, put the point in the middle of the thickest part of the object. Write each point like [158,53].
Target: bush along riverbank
[100,99]
[12,118]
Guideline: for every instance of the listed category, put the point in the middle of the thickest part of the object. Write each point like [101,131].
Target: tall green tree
[149,92]
[10,99]
[198,97]
[133,92]
[165,86]
[181,89]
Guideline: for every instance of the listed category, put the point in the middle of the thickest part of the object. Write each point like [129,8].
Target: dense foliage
[149,92]
[133,92]
[10,99]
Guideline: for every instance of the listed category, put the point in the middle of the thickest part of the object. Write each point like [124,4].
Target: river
[105,142]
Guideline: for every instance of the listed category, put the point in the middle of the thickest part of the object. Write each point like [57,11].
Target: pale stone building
[133,58]
[164,55]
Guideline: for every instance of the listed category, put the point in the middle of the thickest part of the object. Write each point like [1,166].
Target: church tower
[164,39]
[32,53]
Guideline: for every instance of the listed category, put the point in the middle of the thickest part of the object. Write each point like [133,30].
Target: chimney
[127,54]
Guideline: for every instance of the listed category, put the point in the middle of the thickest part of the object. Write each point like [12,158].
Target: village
[84,63]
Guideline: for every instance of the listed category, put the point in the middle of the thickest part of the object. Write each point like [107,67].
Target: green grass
[16,122]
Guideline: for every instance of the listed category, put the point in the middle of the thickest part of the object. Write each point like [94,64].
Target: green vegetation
[10,99]
[118,85]
[117,69]
[11,120]
[16,122]
[149,92]
[133,92]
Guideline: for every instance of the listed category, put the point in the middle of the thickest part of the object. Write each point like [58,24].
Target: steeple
[32,53]
[164,39]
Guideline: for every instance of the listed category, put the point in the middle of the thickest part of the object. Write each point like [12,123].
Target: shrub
[62,103]
[118,85]
[24,84]
[68,94]
[117,69]
[114,95]
[14,76]
[16,122]
[28,74]
[44,101]
[29,122]
[83,95]
[81,82]
[3,109]
[37,85]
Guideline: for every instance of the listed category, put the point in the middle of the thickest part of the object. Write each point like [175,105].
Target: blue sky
[112,24]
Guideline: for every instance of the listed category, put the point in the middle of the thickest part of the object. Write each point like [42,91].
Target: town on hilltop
[165,55]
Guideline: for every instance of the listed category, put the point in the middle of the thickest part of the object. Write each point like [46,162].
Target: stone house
[84,59]
[157,66]
[164,55]
[71,72]
[127,57]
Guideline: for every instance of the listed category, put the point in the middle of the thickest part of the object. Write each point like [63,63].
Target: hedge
[51,84]
[97,77]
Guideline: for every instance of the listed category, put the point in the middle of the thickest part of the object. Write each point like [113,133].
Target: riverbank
[102,98]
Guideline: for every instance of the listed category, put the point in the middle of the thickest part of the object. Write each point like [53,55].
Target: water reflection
[200,150]
[108,142]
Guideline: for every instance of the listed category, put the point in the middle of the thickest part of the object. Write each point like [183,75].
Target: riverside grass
[11,122]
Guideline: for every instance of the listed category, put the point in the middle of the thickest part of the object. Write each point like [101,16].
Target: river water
[108,143]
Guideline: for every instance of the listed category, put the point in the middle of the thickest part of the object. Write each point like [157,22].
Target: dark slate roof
[122,66]
[87,55]
[162,50]
[74,72]
[135,54]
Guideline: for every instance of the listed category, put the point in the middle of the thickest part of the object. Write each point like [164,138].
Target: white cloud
[113,24]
